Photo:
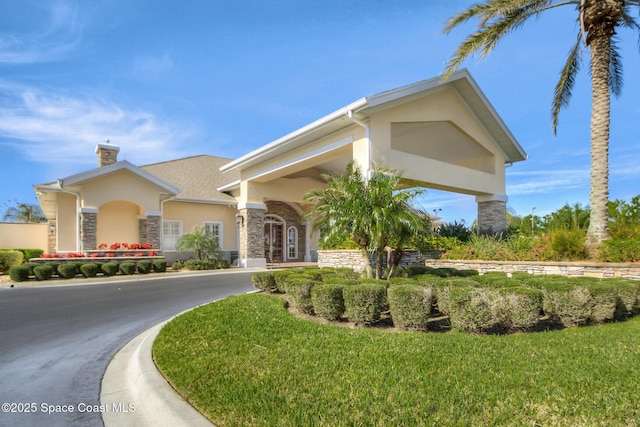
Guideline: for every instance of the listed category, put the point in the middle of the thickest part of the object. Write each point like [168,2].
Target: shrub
[364,302]
[110,268]
[31,266]
[43,272]
[619,250]
[604,296]
[54,265]
[328,301]
[264,281]
[128,268]
[443,288]
[200,264]
[472,309]
[32,253]
[144,266]
[299,292]
[568,303]
[518,307]
[67,271]
[19,273]
[627,297]
[177,265]
[569,244]
[410,305]
[89,269]
[10,259]
[280,278]
[160,265]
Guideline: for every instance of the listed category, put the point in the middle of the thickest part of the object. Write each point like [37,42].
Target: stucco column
[154,229]
[492,214]
[88,229]
[252,235]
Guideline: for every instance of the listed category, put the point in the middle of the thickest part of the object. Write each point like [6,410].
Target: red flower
[152,253]
[94,255]
[110,255]
[139,254]
[102,246]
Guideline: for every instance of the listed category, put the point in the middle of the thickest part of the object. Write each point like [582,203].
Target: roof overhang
[363,108]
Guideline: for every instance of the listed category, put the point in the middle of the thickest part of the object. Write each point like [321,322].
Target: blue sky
[168,79]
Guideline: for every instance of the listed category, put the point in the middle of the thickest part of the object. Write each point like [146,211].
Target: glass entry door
[273,242]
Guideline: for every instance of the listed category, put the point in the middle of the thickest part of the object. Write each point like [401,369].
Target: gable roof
[363,108]
[197,177]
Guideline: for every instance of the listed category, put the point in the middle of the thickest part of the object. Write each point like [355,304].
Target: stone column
[492,214]
[52,236]
[154,229]
[252,235]
[88,229]
[142,229]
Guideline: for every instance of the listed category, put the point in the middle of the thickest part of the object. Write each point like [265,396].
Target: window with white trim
[292,243]
[214,228]
[171,232]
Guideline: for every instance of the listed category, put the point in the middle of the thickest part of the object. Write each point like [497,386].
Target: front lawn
[245,360]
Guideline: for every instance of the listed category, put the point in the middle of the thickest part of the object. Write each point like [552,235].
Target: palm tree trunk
[600,47]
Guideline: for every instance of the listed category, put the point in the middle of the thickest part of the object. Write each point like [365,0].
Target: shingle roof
[197,177]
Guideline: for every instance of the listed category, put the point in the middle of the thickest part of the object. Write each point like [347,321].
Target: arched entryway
[274,239]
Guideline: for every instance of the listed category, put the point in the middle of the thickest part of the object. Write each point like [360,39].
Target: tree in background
[374,213]
[598,22]
[24,212]
[624,218]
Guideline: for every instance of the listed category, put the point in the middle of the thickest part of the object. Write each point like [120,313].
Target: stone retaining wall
[353,259]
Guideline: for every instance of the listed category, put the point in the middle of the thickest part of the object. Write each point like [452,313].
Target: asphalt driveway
[56,342]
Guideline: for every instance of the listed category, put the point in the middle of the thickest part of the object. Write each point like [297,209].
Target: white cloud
[54,128]
[55,38]
[547,181]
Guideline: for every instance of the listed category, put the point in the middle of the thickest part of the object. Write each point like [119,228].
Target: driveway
[56,342]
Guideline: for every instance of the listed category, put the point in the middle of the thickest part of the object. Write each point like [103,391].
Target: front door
[273,247]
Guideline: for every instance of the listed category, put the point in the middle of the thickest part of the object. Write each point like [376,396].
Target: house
[440,134]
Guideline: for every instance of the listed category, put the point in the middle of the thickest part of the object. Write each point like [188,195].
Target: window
[292,243]
[171,232]
[214,229]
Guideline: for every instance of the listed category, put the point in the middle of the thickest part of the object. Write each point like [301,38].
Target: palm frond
[564,87]
[615,68]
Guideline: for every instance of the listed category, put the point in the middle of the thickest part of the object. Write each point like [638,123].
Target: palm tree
[202,244]
[24,212]
[598,21]
[370,212]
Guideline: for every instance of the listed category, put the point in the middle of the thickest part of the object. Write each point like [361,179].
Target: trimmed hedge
[110,268]
[328,301]
[471,309]
[264,281]
[67,271]
[443,289]
[43,272]
[10,259]
[19,273]
[128,268]
[364,302]
[299,291]
[89,270]
[144,266]
[519,307]
[410,305]
[159,265]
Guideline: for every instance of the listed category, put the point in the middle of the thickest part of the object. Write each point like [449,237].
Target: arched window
[292,243]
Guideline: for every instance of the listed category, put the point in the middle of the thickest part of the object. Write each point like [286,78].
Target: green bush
[128,268]
[110,268]
[177,265]
[159,265]
[280,278]
[200,264]
[32,253]
[299,292]
[43,272]
[89,269]
[619,250]
[10,259]
[604,298]
[31,266]
[568,303]
[67,271]
[569,244]
[144,266]
[19,273]
[443,288]
[518,307]
[364,303]
[410,305]
[472,309]
[328,301]
[264,281]
[627,298]
[54,265]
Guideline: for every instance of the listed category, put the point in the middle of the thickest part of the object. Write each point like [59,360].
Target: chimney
[107,153]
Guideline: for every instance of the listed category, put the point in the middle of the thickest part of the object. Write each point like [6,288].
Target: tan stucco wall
[196,214]
[67,224]
[444,105]
[121,185]
[23,236]
[118,222]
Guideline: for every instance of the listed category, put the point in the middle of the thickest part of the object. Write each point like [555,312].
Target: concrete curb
[134,393]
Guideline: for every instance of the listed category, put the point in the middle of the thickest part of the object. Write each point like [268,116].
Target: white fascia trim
[231,186]
[293,136]
[89,210]
[492,198]
[306,156]
[248,205]
[94,173]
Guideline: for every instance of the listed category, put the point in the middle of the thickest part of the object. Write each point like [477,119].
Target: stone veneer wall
[353,259]
[252,234]
[52,234]
[154,230]
[142,230]
[492,217]
[88,231]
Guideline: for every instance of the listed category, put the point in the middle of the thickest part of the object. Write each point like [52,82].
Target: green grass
[246,361]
